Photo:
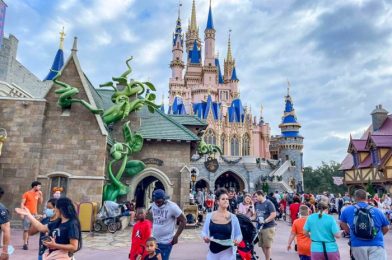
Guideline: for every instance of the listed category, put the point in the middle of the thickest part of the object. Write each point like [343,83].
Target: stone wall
[20,158]
[73,145]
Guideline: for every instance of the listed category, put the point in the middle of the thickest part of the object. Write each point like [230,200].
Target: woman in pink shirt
[246,207]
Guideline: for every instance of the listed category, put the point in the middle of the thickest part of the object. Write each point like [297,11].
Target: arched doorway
[201,184]
[142,185]
[230,180]
[144,190]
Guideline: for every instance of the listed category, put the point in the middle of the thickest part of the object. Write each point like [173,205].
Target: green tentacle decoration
[121,152]
[67,92]
[122,104]
[208,149]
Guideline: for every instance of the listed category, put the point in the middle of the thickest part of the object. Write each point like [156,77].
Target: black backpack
[363,223]
[190,219]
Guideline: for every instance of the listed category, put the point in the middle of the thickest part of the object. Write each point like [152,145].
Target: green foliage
[265,187]
[320,179]
[370,188]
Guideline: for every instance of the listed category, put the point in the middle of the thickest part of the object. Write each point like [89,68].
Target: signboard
[337,180]
[153,161]
[211,164]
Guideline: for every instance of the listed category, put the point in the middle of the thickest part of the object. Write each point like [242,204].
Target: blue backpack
[363,223]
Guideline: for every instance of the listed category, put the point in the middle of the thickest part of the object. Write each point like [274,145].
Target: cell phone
[45,239]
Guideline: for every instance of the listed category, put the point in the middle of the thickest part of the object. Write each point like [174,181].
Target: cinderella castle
[69,148]
[213,94]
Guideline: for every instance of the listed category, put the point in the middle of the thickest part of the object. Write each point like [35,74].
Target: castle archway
[230,179]
[143,185]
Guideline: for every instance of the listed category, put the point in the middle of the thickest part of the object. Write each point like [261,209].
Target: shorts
[369,252]
[26,223]
[266,237]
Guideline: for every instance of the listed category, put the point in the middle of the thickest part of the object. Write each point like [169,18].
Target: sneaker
[25,247]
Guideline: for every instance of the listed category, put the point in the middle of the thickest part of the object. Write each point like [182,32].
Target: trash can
[87,212]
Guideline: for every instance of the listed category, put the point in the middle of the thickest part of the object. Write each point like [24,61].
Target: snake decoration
[67,92]
[208,149]
[127,98]
[121,152]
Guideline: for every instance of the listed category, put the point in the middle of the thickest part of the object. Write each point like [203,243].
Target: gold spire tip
[62,37]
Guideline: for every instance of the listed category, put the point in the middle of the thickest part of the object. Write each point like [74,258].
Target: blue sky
[336,54]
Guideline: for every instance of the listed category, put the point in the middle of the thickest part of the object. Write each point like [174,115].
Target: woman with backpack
[64,234]
[323,231]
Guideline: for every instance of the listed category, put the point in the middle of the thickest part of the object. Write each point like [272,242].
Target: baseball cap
[159,194]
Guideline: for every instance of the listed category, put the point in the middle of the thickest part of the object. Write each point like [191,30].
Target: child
[151,247]
[140,233]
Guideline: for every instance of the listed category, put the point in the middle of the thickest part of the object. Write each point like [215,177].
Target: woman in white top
[246,207]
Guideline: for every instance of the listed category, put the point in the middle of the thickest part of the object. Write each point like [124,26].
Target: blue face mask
[49,212]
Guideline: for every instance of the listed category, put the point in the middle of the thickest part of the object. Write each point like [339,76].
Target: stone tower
[291,142]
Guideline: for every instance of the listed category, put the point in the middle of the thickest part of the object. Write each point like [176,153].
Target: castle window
[223,140]
[245,145]
[209,137]
[177,58]
[374,154]
[356,159]
[59,181]
[234,146]
[287,157]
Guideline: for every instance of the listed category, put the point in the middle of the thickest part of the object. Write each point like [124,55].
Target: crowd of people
[314,228]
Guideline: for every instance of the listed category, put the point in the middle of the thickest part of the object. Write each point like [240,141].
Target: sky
[337,55]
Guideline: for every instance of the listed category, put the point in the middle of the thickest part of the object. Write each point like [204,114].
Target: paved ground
[190,246]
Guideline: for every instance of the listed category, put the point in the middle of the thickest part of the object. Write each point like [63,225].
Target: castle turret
[291,142]
[58,59]
[209,40]
[177,63]
[176,82]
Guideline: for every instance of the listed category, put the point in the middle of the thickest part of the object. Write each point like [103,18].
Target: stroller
[108,217]
[245,250]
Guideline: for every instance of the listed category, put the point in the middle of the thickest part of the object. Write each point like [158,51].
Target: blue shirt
[379,219]
[322,230]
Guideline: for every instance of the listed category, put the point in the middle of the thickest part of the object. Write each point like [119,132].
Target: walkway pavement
[190,247]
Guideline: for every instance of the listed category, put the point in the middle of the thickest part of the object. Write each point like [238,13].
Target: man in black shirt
[5,228]
[233,204]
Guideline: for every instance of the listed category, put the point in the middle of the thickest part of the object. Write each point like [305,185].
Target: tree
[320,179]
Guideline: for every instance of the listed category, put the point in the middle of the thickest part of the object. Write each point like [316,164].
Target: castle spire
[210,22]
[193,17]
[229,56]
[58,61]
[289,126]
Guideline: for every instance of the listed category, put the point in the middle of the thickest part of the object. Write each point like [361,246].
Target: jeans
[165,250]
[304,257]
[39,257]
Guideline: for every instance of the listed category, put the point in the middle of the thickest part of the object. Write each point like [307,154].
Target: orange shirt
[303,242]
[31,203]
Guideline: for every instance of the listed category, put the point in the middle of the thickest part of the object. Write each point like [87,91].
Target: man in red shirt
[294,208]
[140,233]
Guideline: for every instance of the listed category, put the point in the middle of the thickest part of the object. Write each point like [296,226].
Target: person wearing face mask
[49,217]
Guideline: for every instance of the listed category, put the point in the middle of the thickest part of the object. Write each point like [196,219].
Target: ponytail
[321,206]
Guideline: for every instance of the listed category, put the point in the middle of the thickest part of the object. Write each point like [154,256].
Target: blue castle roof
[289,119]
[210,23]
[194,54]
[203,108]
[234,75]
[220,77]
[178,107]
[57,65]
[236,111]
[178,33]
